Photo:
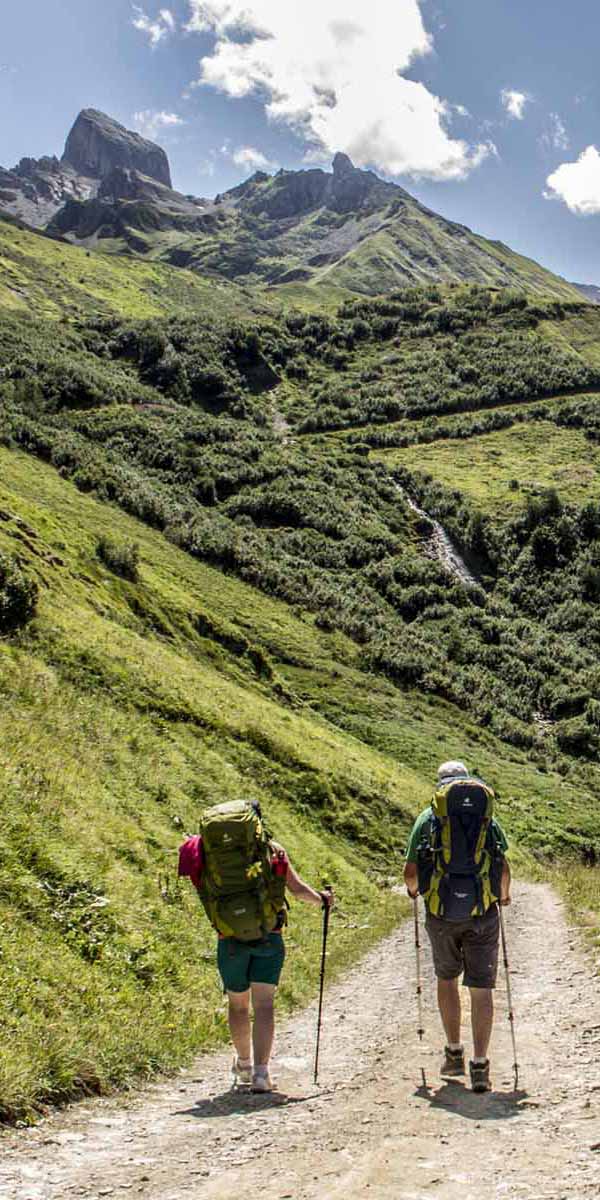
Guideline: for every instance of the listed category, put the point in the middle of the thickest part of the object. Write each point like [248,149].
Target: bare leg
[263,995]
[482,1019]
[449,1006]
[239,1023]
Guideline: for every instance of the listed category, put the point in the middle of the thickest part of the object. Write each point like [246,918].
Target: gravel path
[370,1128]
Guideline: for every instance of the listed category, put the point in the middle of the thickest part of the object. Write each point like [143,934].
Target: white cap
[453,770]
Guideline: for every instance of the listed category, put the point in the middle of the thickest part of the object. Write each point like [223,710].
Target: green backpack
[242,891]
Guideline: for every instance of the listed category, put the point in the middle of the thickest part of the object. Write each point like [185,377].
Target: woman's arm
[303,891]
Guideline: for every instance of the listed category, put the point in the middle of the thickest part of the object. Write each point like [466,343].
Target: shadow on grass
[239,1101]
[488,1106]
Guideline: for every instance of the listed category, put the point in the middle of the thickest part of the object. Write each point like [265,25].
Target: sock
[244,1062]
[479,1062]
[455,1047]
[263,1069]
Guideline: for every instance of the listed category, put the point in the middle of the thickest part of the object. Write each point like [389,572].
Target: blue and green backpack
[459,857]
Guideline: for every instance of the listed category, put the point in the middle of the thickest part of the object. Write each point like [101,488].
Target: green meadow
[500,471]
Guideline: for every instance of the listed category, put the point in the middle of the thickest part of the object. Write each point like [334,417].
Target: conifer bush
[121,558]
[18,595]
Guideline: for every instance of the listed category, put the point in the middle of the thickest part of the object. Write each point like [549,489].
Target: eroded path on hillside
[370,1128]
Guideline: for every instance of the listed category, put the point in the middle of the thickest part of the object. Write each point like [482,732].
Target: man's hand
[411,879]
[328,899]
[505,901]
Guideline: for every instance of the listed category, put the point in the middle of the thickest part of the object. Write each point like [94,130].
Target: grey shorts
[470,946]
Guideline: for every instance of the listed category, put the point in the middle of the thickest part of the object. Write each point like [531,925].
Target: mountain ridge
[304,233]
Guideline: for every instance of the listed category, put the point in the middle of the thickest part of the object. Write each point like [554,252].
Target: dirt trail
[370,1129]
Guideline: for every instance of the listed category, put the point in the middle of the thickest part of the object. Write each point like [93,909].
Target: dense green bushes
[171,420]
[120,558]
[18,595]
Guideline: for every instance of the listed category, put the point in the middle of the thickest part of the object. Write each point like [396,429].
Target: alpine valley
[299,495]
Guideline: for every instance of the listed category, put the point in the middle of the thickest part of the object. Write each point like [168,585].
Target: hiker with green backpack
[241,876]
[456,860]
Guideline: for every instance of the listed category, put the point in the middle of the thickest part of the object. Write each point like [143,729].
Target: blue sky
[481,108]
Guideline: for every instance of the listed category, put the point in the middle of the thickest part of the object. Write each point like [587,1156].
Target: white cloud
[556,137]
[251,159]
[333,72]
[514,103]
[577,184]
[155,29]
[149,123]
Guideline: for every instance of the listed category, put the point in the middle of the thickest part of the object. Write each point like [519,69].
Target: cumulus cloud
[155,29]
[514,103]
[333,72]
[577,184]
[251,159]
[149,123]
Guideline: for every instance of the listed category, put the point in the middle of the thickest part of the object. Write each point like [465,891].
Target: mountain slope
[346,230]
[44,277]
[128,706]
[315,236]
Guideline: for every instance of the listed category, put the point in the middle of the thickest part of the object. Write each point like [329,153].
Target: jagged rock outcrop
[37,189]
[97,144]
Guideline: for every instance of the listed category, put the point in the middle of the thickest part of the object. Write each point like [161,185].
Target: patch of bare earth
[370,1128]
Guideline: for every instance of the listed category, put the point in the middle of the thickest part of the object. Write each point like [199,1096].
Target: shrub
[18,595]
[122,558]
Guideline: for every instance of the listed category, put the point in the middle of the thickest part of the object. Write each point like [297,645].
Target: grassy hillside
[54,279]
[500,471]
[285,632]
[127,707]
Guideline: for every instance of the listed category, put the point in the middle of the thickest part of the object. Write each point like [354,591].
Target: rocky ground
[370,1127]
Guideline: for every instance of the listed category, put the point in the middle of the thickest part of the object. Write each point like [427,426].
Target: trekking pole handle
[326,894]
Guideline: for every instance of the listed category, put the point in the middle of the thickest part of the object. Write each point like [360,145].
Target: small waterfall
[442,544]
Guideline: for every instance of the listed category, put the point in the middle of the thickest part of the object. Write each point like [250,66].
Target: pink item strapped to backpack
[191,860]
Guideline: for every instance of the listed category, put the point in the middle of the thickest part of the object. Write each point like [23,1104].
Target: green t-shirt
[418,831]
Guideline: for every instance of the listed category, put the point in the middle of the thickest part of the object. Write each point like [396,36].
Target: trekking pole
[326,910]
[511,1014]
[420,1028]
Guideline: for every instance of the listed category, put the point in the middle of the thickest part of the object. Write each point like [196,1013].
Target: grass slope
[54,279]
[120,720]
[128,705]
[500,471]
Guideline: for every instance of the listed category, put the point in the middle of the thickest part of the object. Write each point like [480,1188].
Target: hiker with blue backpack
[456,860]
[242,876]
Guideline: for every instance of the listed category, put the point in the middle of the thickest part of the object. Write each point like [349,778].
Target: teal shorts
[243,963]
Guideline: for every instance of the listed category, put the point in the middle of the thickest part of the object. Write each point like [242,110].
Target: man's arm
[411,876]
[411,879]
[505,897]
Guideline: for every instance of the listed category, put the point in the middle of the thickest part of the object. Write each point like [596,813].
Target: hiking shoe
[242,1072]
[480,1076]
[262,1082]
[454,1062]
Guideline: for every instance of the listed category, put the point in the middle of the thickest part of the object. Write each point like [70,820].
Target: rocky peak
[97,144]
[343,166]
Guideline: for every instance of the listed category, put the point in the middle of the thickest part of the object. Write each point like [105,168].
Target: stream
[443,547]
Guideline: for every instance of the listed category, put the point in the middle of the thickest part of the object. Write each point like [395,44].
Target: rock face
[37,188]
[96,151]
[97,144]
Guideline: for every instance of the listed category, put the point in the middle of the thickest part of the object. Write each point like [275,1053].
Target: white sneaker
[262,1082]
[242,1073]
